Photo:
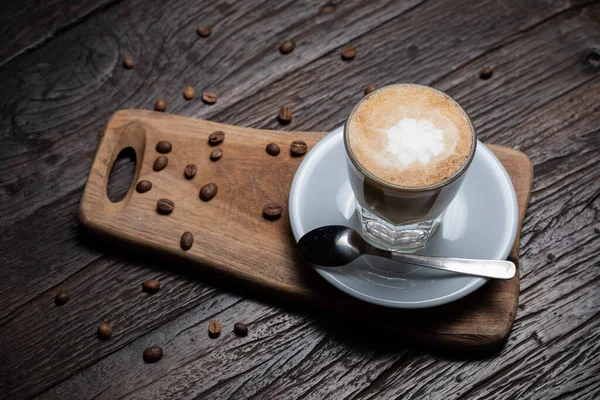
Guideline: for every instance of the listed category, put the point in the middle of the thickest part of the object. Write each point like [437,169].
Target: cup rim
[457,174]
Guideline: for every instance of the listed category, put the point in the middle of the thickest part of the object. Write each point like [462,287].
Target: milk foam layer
[410,135]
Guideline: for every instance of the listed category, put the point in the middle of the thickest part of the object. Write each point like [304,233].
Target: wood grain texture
[232,239]
[56,99]
[28,24]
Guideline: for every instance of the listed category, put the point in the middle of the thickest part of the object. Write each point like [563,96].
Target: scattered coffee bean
[160,163]
[189,93]
[151,286]
[104,331]
[240,329]
[164,147]
[204,31]
[486,73]
[165,206]
[214,329]
[61,297]
[298,148]
[143,186]
[370,89]
[160,105]
[273,149]
[208,191]
[128,63]
[550,256]
[187,240]
[152,354]
[272,211]
[287,46]
[348,52]
[285,114]
[216,138]
[190,171]
[216,154]
[209,97]
[328,8]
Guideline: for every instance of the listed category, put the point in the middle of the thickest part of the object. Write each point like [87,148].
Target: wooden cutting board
[234,241]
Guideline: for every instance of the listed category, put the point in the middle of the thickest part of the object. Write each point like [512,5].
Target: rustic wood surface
[62,78]
[261,254]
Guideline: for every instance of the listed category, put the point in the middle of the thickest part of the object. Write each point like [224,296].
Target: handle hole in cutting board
[121,175]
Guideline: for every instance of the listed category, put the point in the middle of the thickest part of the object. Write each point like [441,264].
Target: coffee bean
[328,8]
[190,171]
[143,186]
[216,138]
[165,206]
[370,89]
[204,31]
[104,331]
[486,73]
[61,297]
[160,163]
[209,97]
[164,147]
[285,114]
[298,148]
[287,46]
[152,354]
[272,211]
[214,329]
[273,149]
[216,154]
[160,105]
[240,329]
[151,286]
[128,63]
[189,93]
[187,240]
[348,52]
[208,191]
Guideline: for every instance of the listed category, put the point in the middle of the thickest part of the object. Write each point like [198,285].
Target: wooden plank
[27,24]
[71,129]
[260,254]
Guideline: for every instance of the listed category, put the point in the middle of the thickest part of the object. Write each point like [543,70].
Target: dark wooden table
[62,78]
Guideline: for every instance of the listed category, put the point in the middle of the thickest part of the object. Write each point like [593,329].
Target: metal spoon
[336,246]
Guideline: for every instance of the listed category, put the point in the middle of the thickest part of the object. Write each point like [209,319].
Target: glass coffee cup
[408,148]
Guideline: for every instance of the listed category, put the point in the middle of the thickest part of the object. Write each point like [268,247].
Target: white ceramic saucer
[481,222]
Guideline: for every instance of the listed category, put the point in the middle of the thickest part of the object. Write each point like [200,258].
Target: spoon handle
[497,269]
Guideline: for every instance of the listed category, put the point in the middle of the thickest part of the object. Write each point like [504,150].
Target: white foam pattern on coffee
[409,135]
[415,140]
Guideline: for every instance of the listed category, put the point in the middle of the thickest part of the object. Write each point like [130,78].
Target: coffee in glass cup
[408,148]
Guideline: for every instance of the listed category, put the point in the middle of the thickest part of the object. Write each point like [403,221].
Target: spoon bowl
[332,246]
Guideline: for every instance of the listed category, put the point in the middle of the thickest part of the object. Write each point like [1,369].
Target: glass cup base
[384,235]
